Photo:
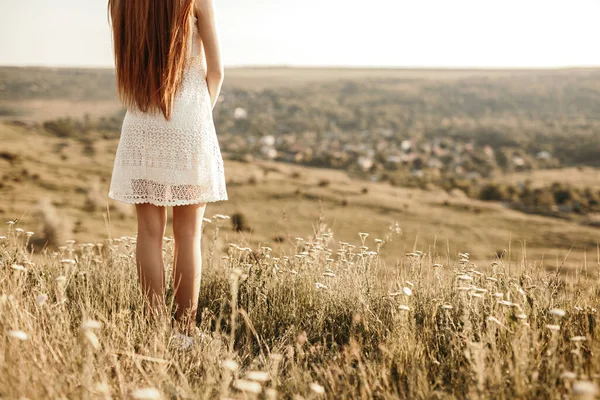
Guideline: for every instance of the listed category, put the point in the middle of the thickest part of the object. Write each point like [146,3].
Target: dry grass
[278,206]
[311,322]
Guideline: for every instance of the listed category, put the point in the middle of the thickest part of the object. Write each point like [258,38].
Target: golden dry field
[335,287]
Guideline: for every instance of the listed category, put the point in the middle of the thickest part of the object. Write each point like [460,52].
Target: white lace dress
[176,162]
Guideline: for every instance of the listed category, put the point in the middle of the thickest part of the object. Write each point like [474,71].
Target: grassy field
[280,202]
[322,321]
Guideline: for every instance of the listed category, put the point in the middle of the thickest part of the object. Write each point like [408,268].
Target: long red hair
[150,44]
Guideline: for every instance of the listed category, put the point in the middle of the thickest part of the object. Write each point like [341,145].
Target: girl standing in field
[169,75]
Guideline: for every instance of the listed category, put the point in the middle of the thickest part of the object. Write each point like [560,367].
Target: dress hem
[129,200]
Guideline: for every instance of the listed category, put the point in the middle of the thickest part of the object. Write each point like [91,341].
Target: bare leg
[187,270]
[152,221]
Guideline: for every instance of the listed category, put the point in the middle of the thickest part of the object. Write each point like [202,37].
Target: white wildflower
[557,312]
[568,375]
[41,299]
[258,376]
[91,324]
[18,267]
[585,388]
[316,388]
[247,386]
[230,365]
[578,339]
[19,335]
[146,394]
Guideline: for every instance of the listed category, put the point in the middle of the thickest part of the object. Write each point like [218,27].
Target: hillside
[280,202]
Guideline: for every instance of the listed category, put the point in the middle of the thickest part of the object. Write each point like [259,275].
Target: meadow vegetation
[321,319]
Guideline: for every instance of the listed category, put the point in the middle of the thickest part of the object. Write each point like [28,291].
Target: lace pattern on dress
[176,162]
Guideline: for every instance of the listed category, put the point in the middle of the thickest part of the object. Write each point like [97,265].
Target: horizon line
[337,67]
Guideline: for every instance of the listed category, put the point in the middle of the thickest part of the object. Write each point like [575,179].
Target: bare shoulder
[204,6]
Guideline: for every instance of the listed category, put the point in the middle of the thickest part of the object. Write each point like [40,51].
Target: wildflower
[2,237]
[578,339]
[505,303]
[206,220]
[475,294]
[446,307]
[146,394]
[585,388]
[557,312]
[41,299]
[299,239]
[464,288]
[61,279]
[437,265]
[19,230]
[409,283]
[553,327]
[378,241]
[266,249]
[315,387]
[230,365]
[489,278]
[407,291]
[258,376]
[92,339]
[19,335]
[329,274]
[320,286]
[499,295]
[221,217]
[521,316]
[247,386]
[403,307]
[70,241]
[372,253]
[18,267]
[91,324]
[363,235]
[10,222]
[568,375]
[464,277]
[68,261]
[102,388]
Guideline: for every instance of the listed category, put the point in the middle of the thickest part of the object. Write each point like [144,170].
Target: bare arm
[208,32]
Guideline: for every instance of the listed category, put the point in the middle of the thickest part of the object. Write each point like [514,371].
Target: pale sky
[377,33]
